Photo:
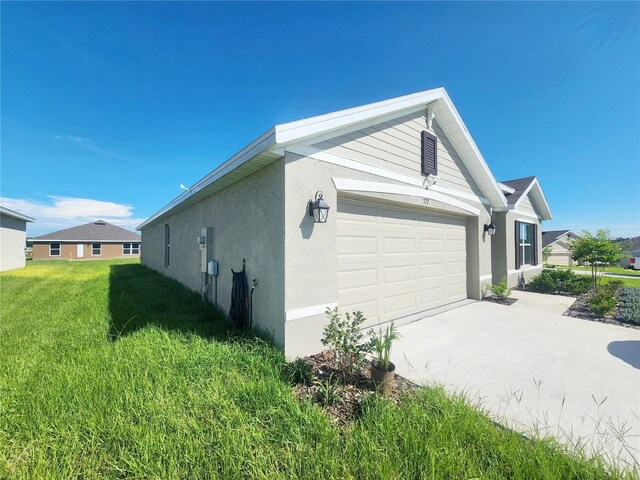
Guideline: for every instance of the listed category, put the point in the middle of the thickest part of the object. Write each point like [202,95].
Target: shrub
[501,290]
[346,338]
[603,302]
[299,371]
[630,305]
[543,283]
[560,281]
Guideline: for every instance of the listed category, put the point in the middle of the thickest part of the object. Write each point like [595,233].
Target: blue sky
[108,107]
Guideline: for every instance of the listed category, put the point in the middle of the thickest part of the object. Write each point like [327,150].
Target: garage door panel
[398,262]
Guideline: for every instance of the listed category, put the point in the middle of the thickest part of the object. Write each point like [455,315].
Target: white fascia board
[351,185]
[539,199]
[327,157]
[13,214]
[261,144]
[506,188]
[322,124]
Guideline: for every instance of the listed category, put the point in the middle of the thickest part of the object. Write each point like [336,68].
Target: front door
[80,252]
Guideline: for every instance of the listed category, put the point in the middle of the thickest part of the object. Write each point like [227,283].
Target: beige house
[13,239]
[559,240]
[412,208]
[97,240]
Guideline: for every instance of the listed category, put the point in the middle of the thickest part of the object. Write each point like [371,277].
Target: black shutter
[518,249]
[429,154]
[534,244]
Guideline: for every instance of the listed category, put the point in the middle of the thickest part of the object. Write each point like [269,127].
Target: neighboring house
[97,240]
[410,197]
[13,239]
[630,248]
[559,240]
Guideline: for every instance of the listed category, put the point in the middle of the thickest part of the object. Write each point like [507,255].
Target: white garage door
[395,262]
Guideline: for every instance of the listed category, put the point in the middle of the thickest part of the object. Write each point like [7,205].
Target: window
[96,249]
[130,248]
[526,245]
[54,249]
[429,154]
[167,245]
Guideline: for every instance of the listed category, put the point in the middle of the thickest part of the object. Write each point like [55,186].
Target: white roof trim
[83,241]
[11,213]
[538,198]
[506,188]
[305,129]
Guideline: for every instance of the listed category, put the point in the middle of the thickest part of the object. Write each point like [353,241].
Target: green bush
[347,340]
[501,290]
[630,305]
[560,281]
[603,302]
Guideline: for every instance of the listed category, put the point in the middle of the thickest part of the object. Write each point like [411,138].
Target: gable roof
[98,231]
[13,214]
[272,145]
[521,188]
[553,236]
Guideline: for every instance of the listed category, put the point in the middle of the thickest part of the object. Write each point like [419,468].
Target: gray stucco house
[412,207]
[13,239]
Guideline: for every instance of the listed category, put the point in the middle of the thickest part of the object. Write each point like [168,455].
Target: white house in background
[413,206]
[559,240]
[13,238]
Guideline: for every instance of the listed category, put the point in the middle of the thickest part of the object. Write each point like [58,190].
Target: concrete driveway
[534,369]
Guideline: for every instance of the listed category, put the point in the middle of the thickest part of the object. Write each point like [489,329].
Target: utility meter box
[212,268]
[205,244]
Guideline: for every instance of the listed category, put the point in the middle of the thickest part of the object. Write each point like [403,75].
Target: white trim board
[489,276]
[317,154]
[347,184]
[304,312]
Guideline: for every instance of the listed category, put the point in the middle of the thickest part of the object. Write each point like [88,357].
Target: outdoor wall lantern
[319,209]
[490,228]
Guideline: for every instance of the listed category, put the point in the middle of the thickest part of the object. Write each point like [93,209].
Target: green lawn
[626,282]
[624,271]
[109,370]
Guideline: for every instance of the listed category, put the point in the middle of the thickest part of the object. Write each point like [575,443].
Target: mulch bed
[506,301]
[580,309]
[348,394]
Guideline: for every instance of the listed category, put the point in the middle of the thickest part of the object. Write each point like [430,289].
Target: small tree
[546,253]
[597,250]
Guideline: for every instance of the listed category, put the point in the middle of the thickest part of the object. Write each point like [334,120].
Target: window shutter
[518,249]
[534,244]
[429,154]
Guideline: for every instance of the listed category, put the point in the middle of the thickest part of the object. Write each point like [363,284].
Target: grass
[110,370]
[620,270]
[626,282]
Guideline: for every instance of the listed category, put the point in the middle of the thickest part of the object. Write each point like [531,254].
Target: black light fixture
[490,228]
[319,209]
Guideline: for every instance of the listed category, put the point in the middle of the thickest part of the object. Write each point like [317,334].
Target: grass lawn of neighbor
[110,370]
[619,270]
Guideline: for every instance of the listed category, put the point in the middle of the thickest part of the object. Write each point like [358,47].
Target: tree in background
[546,253]
[597,250]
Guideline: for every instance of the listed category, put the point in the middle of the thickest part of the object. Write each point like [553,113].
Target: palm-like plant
[381,345]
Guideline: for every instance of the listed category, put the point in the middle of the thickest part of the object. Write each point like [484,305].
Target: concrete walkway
[534,369]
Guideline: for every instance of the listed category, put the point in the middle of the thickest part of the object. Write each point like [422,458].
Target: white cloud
[64,212]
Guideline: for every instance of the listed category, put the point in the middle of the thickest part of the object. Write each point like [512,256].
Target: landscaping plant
[501,290]
[347,340]
[603,301]
[598,251]
[560,281]
[630,305]
[299,372]
[381,345]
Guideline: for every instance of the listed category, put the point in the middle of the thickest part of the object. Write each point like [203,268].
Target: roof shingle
[98,231]
[520,185]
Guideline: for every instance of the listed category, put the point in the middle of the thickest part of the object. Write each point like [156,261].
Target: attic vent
[429,154]
[99,223]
